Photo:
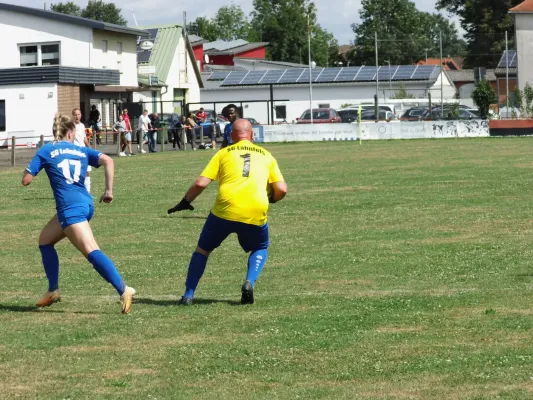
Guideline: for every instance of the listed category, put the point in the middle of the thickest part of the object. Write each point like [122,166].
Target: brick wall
[68,97]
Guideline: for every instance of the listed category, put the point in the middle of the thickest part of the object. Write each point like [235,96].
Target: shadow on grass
[167,303]
[22,309]
[186,217]
[38,198]
[5,307]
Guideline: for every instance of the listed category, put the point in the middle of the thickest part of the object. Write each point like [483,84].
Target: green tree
[70,8]
[231,23]
[485,23]
[402,93]
[99,10]
[404,33]
[204,28]
[484,96]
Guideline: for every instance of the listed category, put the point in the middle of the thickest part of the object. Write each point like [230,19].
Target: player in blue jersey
[66,166]
[230,112]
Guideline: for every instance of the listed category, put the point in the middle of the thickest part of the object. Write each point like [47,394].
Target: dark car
[370,115]
[320,116]
[446,114]
[253,121]
[348,115]
[415,114]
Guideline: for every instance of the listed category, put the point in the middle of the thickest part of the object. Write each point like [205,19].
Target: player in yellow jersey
[249,179]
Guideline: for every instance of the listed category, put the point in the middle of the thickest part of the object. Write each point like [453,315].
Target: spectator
[191,130]
[230,112]
[177,130]
[144,126]
[214,128]
[81,140]
[155,123]
[201,115]
[94,122]
[125,137]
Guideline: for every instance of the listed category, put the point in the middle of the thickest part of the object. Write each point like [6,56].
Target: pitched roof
[196,40]
[524,7]
[221,45]
[266,64]
[70,19]
[236,50]
[449,63]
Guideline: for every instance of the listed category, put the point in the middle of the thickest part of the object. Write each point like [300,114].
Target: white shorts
[89,168]
[128,136]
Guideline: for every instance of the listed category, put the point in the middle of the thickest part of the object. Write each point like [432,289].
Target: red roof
[526,7]
[449,63]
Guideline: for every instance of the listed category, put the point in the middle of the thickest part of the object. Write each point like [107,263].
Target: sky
[334,15]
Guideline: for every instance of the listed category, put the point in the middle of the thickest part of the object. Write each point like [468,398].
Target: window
[29,56]
[2,115]
[119,47]
[281,112]
[39,54]
[50,54]
[104,46]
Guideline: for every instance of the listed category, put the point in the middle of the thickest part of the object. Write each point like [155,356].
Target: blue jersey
[227,133]
[66,166]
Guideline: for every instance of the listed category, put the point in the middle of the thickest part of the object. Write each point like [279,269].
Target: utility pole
[377,65]
[506,74]
[310,68]
[441,79]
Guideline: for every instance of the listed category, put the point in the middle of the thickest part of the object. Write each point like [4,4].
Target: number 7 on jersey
[65,168]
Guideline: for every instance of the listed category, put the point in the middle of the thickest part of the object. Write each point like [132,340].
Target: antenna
[134,18]
[185,22]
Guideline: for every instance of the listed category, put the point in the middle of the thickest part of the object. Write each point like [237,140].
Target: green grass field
[398,270]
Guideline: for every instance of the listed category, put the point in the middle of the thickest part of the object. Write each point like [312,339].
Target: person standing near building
[120,128]
[230,112]
[81,140]
[95,123]
[249,179]
[144,126]
[155,123]
[191,130]
[201,115]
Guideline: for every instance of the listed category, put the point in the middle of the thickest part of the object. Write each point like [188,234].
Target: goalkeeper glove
[271,199]
[182,205]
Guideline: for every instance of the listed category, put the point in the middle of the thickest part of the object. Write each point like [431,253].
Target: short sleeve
[36,163]
[213,168]
[93,157]
[274,173]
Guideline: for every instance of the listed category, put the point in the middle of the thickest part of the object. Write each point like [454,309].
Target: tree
[70,8]
[96,9]
[204,28]
[102,11]
[485,23]
[402,93]
[284,24]
[231,23]
[404,33]
[484,96]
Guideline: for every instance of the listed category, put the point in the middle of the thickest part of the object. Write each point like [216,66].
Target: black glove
[182,205]
[271,200]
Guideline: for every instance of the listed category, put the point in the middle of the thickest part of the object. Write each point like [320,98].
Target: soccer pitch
[398,269]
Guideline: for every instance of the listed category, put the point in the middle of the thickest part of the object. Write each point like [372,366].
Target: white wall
[20,29]
[524,38]
[111,59]
[32,115]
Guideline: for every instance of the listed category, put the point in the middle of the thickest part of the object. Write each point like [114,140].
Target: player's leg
[80,234]
[253,239]
[50,235]
[214,232]
[87,181]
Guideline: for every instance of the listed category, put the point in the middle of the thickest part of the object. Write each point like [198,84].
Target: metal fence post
[183,138]
[201,133]
[13,144]
[119,140]
[41,141]
[164,135]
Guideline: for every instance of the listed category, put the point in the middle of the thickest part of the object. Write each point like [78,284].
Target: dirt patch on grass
[120,373]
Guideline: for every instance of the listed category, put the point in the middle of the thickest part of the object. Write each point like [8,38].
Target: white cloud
[334,15]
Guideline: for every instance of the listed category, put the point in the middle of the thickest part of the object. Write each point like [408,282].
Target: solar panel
[272,76]
[424,72]
[234,78]
[253,78]
[315,72]
[347,74]
[366,74]
[508,57]
[292,75]
[218,76]
[386,73]
[404,72]
[328,75]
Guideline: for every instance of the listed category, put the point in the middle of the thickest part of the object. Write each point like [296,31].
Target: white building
[523,20]
[54,62]
[289,89]
[175,79]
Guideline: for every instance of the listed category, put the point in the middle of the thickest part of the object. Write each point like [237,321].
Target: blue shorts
[74,214]
[216,230]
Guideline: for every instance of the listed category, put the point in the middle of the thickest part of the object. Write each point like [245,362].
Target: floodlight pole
[441,79]
[377,68]
[310,68]
[506,74]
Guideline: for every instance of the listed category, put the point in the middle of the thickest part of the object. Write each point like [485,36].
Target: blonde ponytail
[63,124]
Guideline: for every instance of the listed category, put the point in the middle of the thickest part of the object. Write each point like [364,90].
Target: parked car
[320,116]
[348,115]
[463,114]
[385,107]
[253,121]
[414,114]
[370,115]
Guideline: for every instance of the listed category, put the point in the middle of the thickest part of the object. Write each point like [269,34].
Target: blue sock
[196,270]
[51,265]
[256,262]
[107,270]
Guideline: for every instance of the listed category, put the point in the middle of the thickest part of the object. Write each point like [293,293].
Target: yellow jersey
[244,171]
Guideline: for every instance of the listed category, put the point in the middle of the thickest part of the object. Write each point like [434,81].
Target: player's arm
[279,191]
[33,168]
[109,168]
[27,178]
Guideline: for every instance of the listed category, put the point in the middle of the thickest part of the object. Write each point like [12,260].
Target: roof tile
[525,7]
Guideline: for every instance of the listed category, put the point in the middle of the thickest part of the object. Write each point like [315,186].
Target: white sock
[88,183]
